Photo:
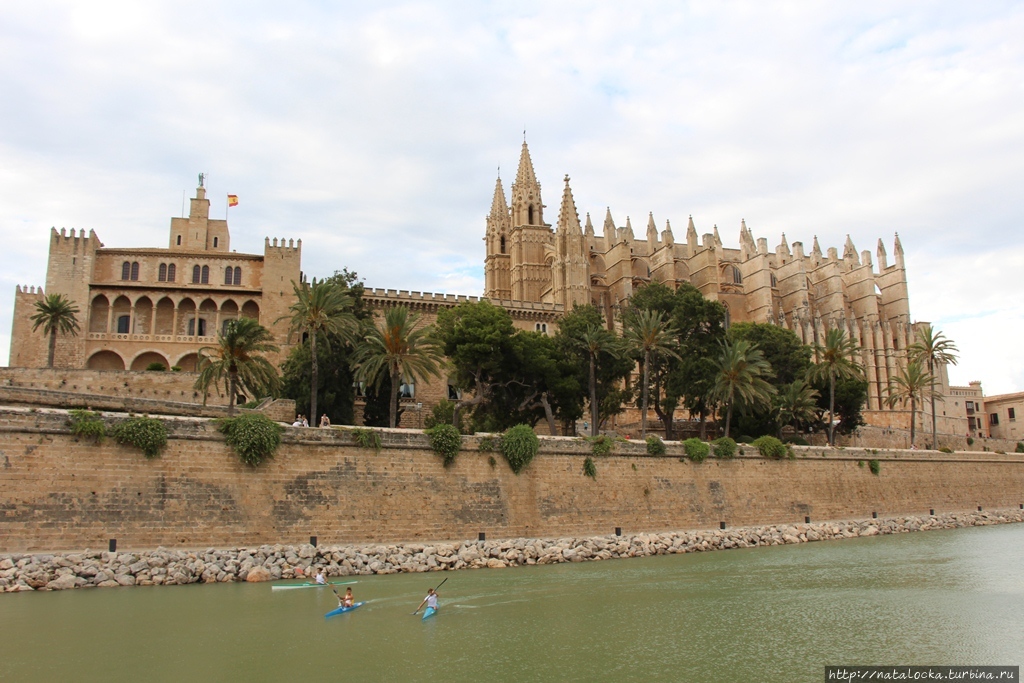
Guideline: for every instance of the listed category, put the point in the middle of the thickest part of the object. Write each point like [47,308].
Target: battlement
[30,290]
[399,295]
[291,245]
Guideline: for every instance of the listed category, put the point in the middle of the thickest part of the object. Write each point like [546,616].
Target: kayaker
[429,601]
[347,600]
[320,578]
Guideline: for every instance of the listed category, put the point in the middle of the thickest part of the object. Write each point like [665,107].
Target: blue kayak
[342,610]
[429,612]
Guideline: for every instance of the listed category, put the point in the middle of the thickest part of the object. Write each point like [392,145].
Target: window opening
[227,275]
[179,240]
[215,242]
[126,270]
[195,274]
[162,273]
[206,275]
[170,272]
[407,391]
[124,324]
[238,276]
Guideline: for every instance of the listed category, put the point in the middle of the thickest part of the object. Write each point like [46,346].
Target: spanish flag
[232,200]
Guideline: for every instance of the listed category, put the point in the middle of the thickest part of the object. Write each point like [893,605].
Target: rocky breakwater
[273,562]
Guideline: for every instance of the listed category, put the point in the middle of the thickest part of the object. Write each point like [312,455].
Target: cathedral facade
[528,260]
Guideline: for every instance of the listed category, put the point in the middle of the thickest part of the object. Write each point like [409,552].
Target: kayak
[342,610]
[310,584]
[429,612]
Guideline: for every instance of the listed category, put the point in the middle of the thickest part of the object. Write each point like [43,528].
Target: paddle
[424,599]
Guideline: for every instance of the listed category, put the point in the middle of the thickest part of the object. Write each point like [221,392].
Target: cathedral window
[135,270]
[238,275]
[228,273]
[124,324]
[775,282]
[529,214]
[196,271]
[206,275]
[737,276]
[126,270]
[162,273]
[502,244]
[171,272]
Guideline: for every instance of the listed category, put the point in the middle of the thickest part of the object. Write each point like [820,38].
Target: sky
[375,131]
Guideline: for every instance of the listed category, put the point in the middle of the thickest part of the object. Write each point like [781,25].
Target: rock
[258,575]
[62,583]
[495,563]
[125,579]
[870,531]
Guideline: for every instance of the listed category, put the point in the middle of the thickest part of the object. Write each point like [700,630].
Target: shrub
[367,438]
[253,436]
[156,367]
[874,466]
[945,449]
[491,461]
[860,463]
[600,444]
[724,447]
[1020,447]
[444,413]
[445,440]
[145,433]
[970,441]
[175,368]
[696,450]
[798,440]
[486,444]
[745,439]
[87,425]
[770,447]
[519,445]
[655,446]
[589,468]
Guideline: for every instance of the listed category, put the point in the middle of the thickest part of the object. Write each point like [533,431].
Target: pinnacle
[499,207]
[525,174]
[568,218]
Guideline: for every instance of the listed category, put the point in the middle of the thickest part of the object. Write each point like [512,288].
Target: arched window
[215,239]
[502,244]
[529,215]
[737,277]
[238,275]
[126,270]
[135,270]
[228,272]
[162,273]
[170,272]
[195,274]
[206,275]
[179,240]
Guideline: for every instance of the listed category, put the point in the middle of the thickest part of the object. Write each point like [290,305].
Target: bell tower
[529,235]
[497,283]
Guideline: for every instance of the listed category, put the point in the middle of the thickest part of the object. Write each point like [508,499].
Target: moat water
[763,614]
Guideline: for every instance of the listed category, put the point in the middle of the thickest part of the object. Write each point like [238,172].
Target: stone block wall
[58,492]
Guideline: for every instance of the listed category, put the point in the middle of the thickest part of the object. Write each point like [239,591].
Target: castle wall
[62,493]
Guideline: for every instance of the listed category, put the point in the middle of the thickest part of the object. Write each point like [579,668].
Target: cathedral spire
[816,249]
[499,207]
[666,235]
[589,227]
[525,174]
[627,232]
[609,229]
[691,236]
[527,207]
[568,218]
[850,252]
[652,230]
[883,258]
[718,238]
[897,252]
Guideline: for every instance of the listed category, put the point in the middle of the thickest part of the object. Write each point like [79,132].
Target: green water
[768,614]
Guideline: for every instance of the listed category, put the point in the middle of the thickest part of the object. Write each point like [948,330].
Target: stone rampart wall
[57,492]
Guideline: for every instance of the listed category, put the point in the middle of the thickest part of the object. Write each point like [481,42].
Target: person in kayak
[429,601]
[320,579]
[346,600]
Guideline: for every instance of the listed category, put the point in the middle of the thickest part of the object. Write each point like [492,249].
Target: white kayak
[310,584]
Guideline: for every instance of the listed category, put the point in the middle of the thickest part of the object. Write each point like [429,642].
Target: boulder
[257,575]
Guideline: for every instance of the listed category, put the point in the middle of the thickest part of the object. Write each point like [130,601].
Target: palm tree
[651,335]
[238,361]
[932,348]
[400,350]
[795,403]
[913,383]
[320,308]
[740,379]
[54,314]
[595,341]
[834,362]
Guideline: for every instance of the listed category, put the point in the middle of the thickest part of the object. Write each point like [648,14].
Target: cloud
[373,132]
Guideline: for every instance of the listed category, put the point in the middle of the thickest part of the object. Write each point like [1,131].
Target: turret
[652,232]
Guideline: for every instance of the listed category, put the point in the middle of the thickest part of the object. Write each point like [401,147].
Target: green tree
[834,361]
[399,350]
[320,309]
[336,393]
[238,361]
[789,358]
[932,348]
[55,313]
[477,338]
[700,328]
[650,336]
[795,403]
[578,332]
[912,384]
[740,379]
